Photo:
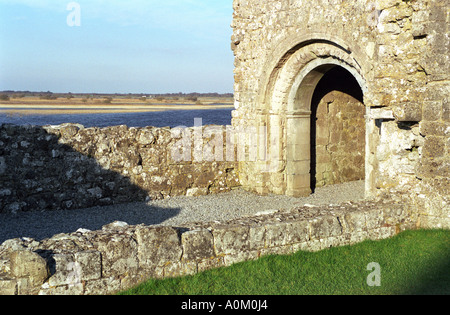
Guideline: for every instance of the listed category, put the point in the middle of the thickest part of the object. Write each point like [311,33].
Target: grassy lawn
[413,262]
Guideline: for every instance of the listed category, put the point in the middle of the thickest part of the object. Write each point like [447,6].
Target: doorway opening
[338,130]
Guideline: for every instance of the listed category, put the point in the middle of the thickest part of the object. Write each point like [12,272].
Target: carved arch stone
[285,110]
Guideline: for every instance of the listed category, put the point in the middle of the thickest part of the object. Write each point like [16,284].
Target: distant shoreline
[102,110]
[37,106]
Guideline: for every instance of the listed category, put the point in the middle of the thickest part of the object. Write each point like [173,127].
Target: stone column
[298,153]
[260,175]
[372,140]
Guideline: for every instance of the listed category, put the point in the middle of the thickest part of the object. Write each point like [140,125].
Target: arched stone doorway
[285,109]
[337,130]
[302,130]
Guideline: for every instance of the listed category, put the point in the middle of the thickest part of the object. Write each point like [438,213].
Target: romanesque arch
[285,110]
[292,94]
[396,51]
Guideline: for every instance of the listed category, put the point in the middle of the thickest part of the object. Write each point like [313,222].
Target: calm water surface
[157,119]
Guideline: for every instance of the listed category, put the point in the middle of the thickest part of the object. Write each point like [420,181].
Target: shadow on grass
[434,278]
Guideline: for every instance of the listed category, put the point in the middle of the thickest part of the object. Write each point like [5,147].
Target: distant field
[78,105]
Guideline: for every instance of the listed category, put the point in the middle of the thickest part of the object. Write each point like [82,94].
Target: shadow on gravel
[42,225]
[42,180]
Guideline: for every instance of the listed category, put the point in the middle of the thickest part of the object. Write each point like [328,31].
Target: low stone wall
[120,256]
[71,167]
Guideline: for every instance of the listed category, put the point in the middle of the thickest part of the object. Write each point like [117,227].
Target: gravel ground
[174,211]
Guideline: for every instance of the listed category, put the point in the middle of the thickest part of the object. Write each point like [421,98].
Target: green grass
[413,262]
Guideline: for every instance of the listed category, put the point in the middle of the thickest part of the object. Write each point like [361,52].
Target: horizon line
[116,93]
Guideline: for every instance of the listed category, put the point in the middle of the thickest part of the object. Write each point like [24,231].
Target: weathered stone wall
[397,51]
[340,140]
[120,256]
[70,167]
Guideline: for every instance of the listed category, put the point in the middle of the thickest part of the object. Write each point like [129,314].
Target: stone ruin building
[328,91]
[346,90]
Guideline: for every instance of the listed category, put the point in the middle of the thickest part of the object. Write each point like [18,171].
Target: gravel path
[174,211]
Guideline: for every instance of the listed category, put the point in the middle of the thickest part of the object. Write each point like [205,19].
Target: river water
[173,118]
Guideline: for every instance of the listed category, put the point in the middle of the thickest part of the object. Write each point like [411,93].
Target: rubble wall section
[72,167]
[121,256]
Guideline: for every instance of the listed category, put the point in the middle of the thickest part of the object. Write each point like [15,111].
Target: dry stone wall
[120,256]
[70,167]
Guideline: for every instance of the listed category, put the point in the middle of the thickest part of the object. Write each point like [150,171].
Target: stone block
[434,147]
[65,271]
[299,181]
[238,257]
[431,222]
[207,264]
[299,152]
[324,227]
[195,192]
[70,269]
[29,265]
[408,112]
[432,110]
[76,289]
[179,269]
[432,168]
[119,253]
[354,222]
[68,131]
[281,250]
[394,214]
[374,219]
[104,286]
[381,233]
[446,110]
[286,233]
[299,130]
[90,263]
[275,234]
[8,286]
[297,167]
[197,244]
[257,236]
[146,137]
[157,246]
[230,240]
[432,128]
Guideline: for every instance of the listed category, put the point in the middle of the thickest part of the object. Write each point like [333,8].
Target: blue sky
[136,46]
